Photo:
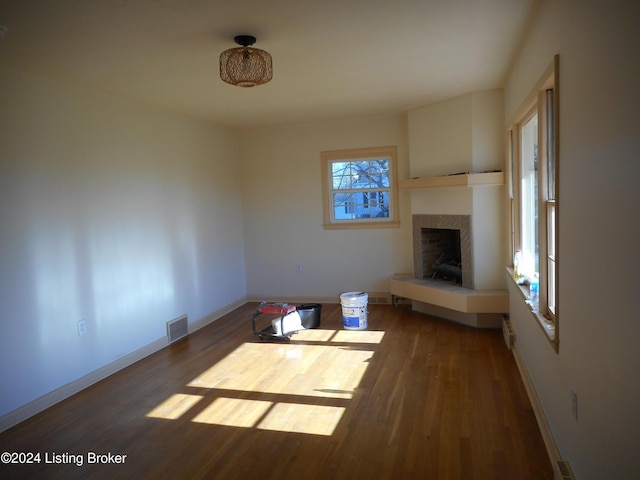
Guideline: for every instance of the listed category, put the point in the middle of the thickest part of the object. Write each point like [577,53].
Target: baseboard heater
[565,470]
[508,332]
[177,328]
[381,298]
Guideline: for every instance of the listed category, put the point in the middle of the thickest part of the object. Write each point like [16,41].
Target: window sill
[548,327]
[356,225]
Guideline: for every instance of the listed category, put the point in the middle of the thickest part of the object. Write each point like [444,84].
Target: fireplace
[442,248]
[441,256]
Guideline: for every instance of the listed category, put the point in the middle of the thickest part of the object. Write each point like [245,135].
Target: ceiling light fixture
[245,66]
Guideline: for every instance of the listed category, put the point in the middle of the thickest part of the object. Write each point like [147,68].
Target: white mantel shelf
[458,180]
[450,296]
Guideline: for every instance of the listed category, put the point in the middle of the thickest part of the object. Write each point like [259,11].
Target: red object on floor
[279,308]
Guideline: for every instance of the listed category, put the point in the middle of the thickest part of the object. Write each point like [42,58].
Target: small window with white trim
[359,188]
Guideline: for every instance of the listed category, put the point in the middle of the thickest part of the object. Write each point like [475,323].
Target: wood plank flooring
[412,397]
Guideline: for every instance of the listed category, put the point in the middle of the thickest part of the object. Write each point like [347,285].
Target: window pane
[341,182]
[380,180]
[361,174]
[380,165]
[362,181]
[359,186]
[551,289]
[529,193]
[360,204]
[512,179]
[380,211]
[341,175]
[340,168]
[551,229]
[343,206]
[551,153]
[551,263]
[378,205]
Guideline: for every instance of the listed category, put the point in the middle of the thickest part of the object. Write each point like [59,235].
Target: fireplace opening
[442,249]
[442,255]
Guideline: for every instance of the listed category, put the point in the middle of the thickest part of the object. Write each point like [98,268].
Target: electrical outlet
[82,328]
[574,403]
[298,267]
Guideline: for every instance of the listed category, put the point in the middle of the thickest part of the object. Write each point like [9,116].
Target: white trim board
[40,404]
[545,430]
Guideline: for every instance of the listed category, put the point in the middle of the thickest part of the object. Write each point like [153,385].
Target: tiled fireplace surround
[462,223]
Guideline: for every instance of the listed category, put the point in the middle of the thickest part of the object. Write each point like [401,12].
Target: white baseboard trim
[382,298]
[38,405]
[212,317]
[545,430]
[292,300]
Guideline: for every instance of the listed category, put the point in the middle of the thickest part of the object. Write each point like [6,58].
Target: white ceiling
[331,58]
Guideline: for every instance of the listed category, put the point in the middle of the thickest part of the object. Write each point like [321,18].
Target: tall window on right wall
[534,140]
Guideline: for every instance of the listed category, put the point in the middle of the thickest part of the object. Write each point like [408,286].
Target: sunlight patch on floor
[175,406]
[328,364]
[306,370]
[358,336]
[233,412]
[283,417]
[300,418]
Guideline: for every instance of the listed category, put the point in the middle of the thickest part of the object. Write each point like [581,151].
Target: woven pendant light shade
[245,66]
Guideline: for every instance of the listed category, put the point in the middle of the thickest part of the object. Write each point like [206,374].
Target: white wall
[599,230]
[441,137]
[109,213]
[283,213]
[487,137]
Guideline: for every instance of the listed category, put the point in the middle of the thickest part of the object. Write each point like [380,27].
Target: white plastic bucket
[354,310]
[287,324]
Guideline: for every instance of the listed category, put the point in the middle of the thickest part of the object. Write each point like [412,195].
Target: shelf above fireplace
[467,179]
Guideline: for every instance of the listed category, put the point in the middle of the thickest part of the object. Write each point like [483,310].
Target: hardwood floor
[411,397]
